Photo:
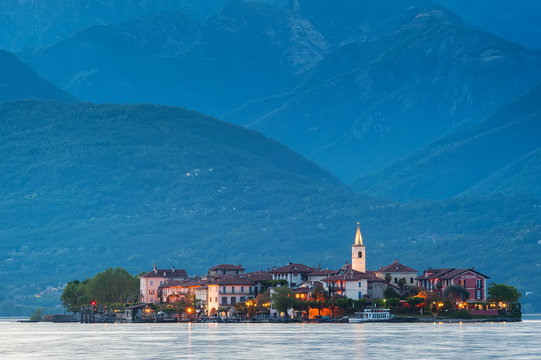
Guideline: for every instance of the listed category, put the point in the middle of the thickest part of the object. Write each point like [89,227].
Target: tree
[345,304]
[456,293]
[267,284]
[502,292]
[388,278]
[282,299]
[402,284]
[393,303]
[74,296]
[415,300]
[37,315]
[390,293]
[359,305]
[113,286]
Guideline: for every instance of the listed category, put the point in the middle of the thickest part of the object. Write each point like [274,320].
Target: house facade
[225,269]
[294,274]
[150,282]
[227,291]
[437,280]
[398,271]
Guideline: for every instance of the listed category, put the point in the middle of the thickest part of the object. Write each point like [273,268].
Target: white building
[227,291]
[294,274]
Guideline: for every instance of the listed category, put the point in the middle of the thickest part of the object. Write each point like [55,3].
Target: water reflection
[271,341]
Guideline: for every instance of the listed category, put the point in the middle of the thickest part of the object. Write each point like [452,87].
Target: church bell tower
[358,253]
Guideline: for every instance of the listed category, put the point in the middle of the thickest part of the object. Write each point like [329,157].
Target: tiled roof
[445,273]
[260,276]
[227,267]
[233,280]
[348,276]
[323,272]
[396,267]
[293,268]
[166,273]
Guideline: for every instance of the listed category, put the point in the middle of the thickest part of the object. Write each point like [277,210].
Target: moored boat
[370,315]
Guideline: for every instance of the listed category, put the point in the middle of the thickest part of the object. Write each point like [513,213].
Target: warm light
[440,304]
[297,296]
[147,310]
[302,296]
[189,310]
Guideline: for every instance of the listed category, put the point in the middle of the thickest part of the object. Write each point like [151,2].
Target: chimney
[155,269]
[172,268]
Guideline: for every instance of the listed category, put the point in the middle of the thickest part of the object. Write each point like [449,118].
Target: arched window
[359,254]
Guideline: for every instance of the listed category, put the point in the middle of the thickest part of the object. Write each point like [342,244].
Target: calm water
[271,341]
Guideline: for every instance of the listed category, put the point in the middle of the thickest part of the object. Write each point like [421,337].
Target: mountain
[19,81]
[371,102]
[247,51]
[352,97]
[86,186]
[516,21]
[499,155]
[39,23]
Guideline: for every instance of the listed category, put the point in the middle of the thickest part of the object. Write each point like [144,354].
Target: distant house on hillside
[150,282]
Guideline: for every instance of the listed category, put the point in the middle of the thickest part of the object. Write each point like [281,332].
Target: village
[301,292]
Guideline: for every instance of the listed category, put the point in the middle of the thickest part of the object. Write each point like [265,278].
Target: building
[348,282]
[260,278]
[225,269]
[398,271]
[294,274]
[320,274]
[437,280]
[150,282]
[358,252]
[227,291]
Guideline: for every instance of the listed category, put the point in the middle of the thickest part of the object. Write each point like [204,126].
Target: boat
[369,315]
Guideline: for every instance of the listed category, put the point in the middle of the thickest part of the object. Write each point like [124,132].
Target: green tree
[390,293]
[415,300]
[113,286]
[37,315]
[502,292]
[74,296]
[456,293]
[393,303]
[359,305]
[402,284]
[282,299]
[388,278]
[345,304]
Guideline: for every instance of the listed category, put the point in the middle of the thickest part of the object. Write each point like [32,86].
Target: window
[216,299]
[242,289]
[360,254]
[250,290]
[360,284]
[224,300]
[151,283]
[360,295]
[479,283]
[242,299]
[233,300]
[411,280]
[478,294]
[395,280]
[161,282]
[232,289]
[223,289]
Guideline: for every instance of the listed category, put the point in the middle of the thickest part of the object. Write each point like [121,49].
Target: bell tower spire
[358,253]
[358,237]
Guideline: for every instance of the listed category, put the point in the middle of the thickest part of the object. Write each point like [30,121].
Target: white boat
[370,315]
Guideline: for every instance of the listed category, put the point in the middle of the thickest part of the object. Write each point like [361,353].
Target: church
[355,282]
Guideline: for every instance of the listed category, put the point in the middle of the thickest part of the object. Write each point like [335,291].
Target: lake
[517,340]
